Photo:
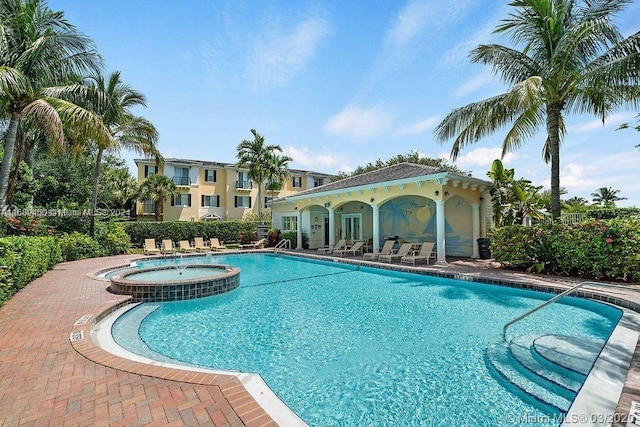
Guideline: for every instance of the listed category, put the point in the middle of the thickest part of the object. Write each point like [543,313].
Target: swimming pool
[348,346]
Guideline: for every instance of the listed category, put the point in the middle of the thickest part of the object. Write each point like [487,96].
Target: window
[150,170]
[267,200]
[289,223]
[209,175]
[318,182]
[181,200]
[297,181]
[243,201]
[181,176]
[210,201]
[148,206]
[243,181]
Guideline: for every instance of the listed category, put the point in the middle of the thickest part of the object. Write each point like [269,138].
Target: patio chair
[404,250]
[425,253]
[198,244]
[328,250]
[253,245]
[353,250]
[184,246]
[150,247]
[216,245]
[386,249]
[168,247]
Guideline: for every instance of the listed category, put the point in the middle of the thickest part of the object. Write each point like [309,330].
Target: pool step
[546,371]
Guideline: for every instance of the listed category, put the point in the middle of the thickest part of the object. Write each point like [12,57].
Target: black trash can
[484,249]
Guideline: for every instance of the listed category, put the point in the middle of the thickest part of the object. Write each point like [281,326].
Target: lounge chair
[150,247]
[253,245]
[425,253]
[404,250]
[353,250]
[386,249]
[184,246]
[342,243]
[168,247]
[216,245]
[198,244]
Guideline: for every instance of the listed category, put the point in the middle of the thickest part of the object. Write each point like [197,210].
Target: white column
[332,226]
[376,228]
[475,223]
[299,234]
[440,233]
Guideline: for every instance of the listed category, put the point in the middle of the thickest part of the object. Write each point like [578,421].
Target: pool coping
[588,399]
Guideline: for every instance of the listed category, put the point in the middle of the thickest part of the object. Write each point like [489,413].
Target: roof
[205,163]
[397,172]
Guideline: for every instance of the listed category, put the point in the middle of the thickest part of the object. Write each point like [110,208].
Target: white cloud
[483,156]
[279,56]
[417,128]
[411,21]
[613,120]
[459,54]
[309,159]
[359,123]
[472,85]
[575,177]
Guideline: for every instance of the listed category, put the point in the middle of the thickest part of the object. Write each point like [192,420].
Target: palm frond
[45,114]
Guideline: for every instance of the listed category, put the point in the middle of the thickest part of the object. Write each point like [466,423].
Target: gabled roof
[397,172]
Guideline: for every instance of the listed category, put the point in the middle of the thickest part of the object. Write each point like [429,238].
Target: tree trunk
[260,202]
[18,156]
[553,133]
[94,194]
[9,148]
[156,208]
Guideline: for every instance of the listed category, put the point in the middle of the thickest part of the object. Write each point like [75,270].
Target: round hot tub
[175,283]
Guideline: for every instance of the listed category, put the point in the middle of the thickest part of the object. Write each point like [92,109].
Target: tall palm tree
[573,59]
[278,173]
[157,188]
[40,50]
[607,197]
[256,156]
[111,99]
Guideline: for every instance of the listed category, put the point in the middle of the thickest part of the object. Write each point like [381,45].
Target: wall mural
[413,218]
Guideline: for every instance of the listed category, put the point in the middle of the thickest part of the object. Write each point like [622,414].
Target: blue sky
[336,84]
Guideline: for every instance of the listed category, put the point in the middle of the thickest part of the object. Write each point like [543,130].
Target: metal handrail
[284,243]
[554,299]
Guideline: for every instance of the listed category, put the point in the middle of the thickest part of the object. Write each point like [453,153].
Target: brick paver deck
[45,379]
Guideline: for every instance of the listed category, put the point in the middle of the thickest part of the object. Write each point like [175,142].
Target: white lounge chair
[386,249]
[404,250]
[198,244]
[216,245]
[254,245]
[340,245]
[425,253]
[185,246]
[353,250]
[150,247]
[168,247]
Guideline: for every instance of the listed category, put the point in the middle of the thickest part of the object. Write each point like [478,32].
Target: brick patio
[45,379]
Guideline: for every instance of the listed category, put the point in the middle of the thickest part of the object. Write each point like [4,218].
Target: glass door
[351,229]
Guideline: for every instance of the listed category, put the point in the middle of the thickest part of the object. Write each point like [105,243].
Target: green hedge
[602,249]
[226,231]
[24,259]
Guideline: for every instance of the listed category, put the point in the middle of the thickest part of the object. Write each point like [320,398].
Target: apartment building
[215,190]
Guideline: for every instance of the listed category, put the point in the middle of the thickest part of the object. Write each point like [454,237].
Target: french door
[351,226]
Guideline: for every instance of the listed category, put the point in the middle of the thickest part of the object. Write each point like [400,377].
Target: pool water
[347,346]
[174,274]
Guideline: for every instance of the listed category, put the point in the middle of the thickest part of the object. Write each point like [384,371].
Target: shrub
[24,259]
[293,237]
[603,249]
[113,239]
[273,237]
[79,246]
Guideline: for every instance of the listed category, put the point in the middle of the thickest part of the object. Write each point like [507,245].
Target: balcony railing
[181,180]
[243,185]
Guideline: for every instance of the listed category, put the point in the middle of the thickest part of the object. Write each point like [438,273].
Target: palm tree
[573,59]
[256,156]
[278,173]
[112,101]
[607,197]
[575,204]
[121,187]
[157,188]
[40,50]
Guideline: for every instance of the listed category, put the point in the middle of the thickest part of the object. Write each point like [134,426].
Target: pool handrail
[552,300]
[283,244]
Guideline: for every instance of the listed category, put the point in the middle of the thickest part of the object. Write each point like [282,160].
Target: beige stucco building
[214,190]
[417,203]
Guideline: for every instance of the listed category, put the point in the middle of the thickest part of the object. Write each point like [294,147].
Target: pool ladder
[283,244]
[554,299]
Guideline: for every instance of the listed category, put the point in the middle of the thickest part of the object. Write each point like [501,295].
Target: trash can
[483,248]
